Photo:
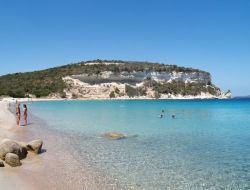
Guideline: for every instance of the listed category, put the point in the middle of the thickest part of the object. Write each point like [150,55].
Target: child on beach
[25,114]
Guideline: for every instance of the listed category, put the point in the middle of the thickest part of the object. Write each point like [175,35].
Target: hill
[116,78]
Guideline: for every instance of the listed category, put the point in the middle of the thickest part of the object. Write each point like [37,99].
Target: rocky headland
[103,79]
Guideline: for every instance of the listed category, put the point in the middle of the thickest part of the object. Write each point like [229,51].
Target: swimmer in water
[173,116]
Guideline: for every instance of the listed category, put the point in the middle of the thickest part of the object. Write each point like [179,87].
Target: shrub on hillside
[74,96]
[130,91]
[117,91]
[112,94]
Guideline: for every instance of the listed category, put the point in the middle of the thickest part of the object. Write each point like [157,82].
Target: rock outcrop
[35,145]
[228,94]
[12,151]
[175,84]
[115,136]
[10,146]
[1,164]
[12,159]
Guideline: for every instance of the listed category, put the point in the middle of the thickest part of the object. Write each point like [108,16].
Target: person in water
[173,116]
[25,114]
[18,113]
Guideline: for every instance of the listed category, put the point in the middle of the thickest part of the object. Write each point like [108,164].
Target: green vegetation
[74,96]
[112,94]
[132,92]
[43,83]
[142,91]
[117,91]
[179,87]
[157,95]
[175,88]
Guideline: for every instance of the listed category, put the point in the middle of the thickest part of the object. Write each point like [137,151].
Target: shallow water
[207,146]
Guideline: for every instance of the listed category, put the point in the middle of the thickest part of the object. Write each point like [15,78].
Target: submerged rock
[12,160]
[10,146]
[115,136]
[35,145]
[1,164]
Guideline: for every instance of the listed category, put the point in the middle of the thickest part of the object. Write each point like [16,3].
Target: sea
[169,144]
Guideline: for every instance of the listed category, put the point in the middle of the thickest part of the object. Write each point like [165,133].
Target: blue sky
[213,35]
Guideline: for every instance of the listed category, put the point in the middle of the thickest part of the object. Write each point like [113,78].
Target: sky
[212,35]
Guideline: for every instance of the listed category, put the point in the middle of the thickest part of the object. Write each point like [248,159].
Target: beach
[11,178]
[36,170]
[55,168]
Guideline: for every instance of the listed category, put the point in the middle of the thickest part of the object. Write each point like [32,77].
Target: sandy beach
[32,174]
[10,178]
[55,168]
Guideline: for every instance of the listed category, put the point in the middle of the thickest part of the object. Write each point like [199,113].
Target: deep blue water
[207,145]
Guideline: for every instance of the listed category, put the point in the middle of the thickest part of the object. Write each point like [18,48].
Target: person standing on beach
[18,113]
[25,114]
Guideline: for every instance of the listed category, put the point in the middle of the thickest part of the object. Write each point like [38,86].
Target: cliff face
[142,84]
[139,76]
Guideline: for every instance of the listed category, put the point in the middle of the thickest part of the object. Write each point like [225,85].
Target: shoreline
[13,100]
[56,168]
[12,178]
[32,174]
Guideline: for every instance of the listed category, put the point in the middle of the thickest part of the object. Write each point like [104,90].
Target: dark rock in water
[115,136]
[1,164]
[132,136]
[12,160]
[35,145]
[10,146]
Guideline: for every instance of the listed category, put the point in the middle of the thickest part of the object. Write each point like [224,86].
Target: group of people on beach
[18,114]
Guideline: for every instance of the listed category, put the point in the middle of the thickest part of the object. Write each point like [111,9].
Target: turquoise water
[207,145]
